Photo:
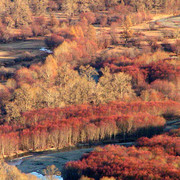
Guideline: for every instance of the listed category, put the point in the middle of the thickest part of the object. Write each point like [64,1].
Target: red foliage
[124,163]
[169,143]
[54,41]
[140,73]
[160,70]
[62,127]
[9,144]
[90,16]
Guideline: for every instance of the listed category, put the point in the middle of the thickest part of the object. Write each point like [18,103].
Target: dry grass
[14,50]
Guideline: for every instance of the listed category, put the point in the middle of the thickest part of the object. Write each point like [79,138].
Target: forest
[112,74]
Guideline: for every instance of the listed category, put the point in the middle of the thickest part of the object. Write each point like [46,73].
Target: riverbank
[39,161]
[170,124]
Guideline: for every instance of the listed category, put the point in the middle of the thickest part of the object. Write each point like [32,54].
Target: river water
[173,22]
[37,162]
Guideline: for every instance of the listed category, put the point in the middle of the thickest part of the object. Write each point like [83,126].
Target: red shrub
[54,41]
[90,16]
[169,143]
[124,163]
[62,127]
[160,70]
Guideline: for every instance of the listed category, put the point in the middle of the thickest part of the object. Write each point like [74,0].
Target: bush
[26,32]
[175,47]
[169,143]
[36,30]
[54,41]
[167,88]
[160,70]
[90,16]
[155,46]
[103,20]
[125,163]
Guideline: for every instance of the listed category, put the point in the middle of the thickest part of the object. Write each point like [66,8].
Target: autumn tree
[88,72]
[70,7]
[12,172]
[127,33]
[5,6]
[38,7]
[114,86]
[110,3]
[21,13]
[51,171]
[138,5]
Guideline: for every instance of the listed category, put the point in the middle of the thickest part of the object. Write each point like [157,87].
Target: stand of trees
[63,127]
[31,114]
[157,158]
[18,18]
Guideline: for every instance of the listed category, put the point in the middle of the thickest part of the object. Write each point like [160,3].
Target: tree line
[63,127]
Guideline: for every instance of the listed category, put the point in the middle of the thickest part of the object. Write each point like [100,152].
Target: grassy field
[19,49]
[14,55]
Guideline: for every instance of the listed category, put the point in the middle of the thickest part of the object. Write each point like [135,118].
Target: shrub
[26,32]
[124,163]
[167,88]
[160,70]
[36,30]
[90,16]
[103,20]
[54,41]
[169,143]
[12,172]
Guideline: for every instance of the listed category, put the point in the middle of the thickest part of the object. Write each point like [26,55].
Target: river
[37,162]
[173,22]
